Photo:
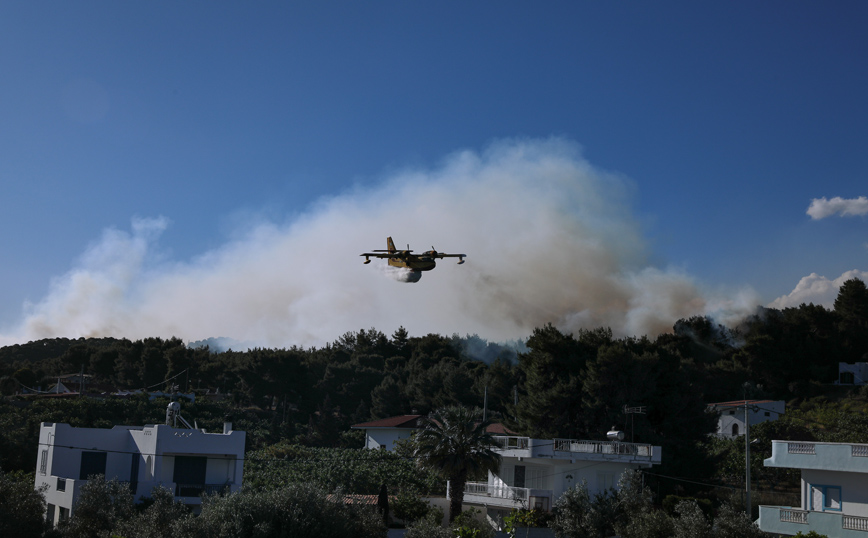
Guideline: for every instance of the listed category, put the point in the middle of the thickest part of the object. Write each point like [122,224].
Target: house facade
[834,490]
[730,421]
[534,473]
[852,374]
[189,462]
[384,433]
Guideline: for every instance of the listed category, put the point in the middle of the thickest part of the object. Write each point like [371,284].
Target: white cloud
[821,208]
[817,289]
[549,238]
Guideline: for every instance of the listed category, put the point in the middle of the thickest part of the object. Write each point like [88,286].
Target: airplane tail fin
[390,244]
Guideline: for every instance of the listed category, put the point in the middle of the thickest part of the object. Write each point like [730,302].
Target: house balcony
[503,496]
[846,457]
[571,449]
[197,491]
[786,520]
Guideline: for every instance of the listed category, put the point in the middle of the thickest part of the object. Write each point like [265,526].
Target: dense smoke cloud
[817,289]
[821,208]
[549,238]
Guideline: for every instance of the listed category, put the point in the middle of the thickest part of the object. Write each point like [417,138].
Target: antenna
[632,411]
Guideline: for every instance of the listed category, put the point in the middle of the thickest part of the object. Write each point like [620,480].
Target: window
[50,515]
[518,478]
[734,430]
[43,462]
[605,480]
[189,475]
[92,463]
[825,498]
[61,484]
[768,414]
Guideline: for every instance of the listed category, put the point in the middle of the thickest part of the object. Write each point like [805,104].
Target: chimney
[227,428]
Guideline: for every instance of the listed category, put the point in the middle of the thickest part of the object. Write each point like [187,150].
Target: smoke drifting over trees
[549,238]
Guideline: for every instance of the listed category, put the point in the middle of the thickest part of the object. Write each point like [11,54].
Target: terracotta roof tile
[403,421]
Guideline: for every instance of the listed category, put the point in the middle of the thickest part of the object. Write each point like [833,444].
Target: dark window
[61,484]
[519,476]
[92,463]
[735,429]
[847,378]
[134,473]
[189,475]
[768,414]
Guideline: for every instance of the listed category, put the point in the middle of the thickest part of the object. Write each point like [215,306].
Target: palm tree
[455,443]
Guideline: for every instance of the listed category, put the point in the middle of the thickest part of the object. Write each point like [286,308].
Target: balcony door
[189,475]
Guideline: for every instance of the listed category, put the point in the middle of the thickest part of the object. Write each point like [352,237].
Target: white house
[834,490]
[730,421]
[189,462]
[852,374]
[382,434]
[534,473]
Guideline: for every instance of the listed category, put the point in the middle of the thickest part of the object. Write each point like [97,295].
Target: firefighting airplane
[405,258]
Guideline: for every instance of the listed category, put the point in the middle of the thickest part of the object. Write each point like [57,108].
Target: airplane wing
[442,255]
[380,255]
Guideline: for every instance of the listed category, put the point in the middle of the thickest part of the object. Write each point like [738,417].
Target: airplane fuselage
[416,263]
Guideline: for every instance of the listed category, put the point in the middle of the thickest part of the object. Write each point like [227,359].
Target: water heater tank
[615,435]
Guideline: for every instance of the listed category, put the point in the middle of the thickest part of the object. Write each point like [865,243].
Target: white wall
[854,489]
[374,438]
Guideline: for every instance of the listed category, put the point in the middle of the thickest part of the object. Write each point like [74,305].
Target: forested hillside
[560,385]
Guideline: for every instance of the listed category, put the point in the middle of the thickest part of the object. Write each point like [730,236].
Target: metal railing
[497,492]
[801,448]
[512,442]
[602,447]
[855,523]
[794,516]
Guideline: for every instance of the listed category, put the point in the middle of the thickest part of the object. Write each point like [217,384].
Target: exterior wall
[154,447]
[858,373]
[730,416]
[853,490]
[375,438]
[551,467]
[781,520]
[834,489]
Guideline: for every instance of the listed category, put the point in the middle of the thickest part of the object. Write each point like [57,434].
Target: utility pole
[747,408]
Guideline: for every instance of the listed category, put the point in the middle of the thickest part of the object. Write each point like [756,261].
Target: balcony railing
[200,490]
[801,448]
[794,516]
[855,523]
[602,447]
[512,442]
[484,489]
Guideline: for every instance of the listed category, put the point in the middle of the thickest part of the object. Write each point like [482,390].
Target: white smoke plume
[821,208]
[548,237]
[817,289]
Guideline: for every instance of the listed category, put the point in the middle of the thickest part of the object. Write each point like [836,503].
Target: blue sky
[190,131]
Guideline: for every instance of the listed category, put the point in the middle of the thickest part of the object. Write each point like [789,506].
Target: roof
[737,403]
[499,429]
[415,422]
[402,421]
